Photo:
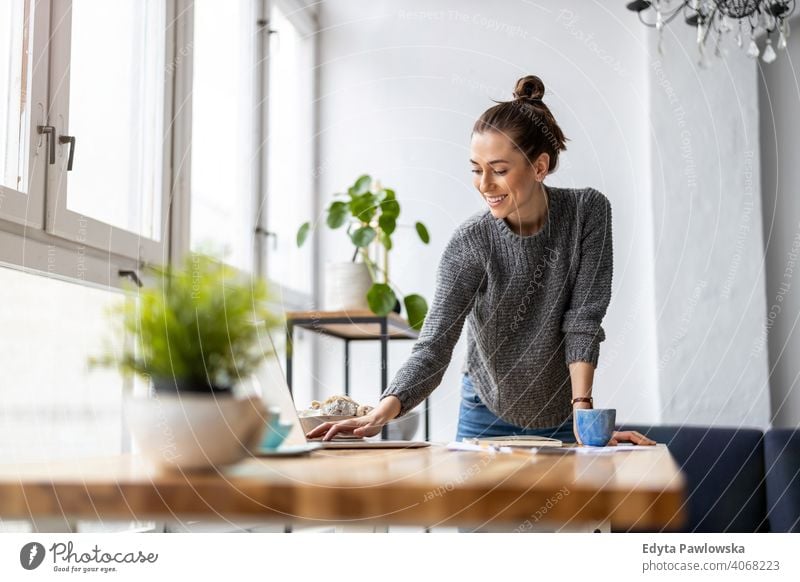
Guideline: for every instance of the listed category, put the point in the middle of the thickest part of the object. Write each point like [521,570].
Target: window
[225,130]
[119,123]
[22,108]
[15,67]
[108,95]
[164,108]
[85,158]
[290,166]
[184,125]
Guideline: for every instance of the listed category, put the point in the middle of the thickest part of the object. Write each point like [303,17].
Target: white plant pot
[346,286]
[194,432]
[403,428]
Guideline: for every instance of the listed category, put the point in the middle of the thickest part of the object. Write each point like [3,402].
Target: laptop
[277,393]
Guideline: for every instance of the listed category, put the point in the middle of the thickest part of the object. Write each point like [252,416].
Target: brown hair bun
[529,87]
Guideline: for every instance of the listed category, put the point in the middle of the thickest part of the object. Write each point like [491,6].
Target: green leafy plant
[199,327]
[370,214]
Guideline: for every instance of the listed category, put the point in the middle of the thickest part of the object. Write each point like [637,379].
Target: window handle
[50,133]
[268,234]
[132,275]
[70,139]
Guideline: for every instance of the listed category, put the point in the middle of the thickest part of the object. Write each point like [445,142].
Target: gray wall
[710,300]
[780,180]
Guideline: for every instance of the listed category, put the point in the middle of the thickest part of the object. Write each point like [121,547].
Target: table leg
[52,525]
[603,526]
[362,529]
[289,349]
[427,421]
[545,526]
[347,367]
[384,366]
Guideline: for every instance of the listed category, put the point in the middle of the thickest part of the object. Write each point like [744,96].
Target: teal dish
[274,434]
[595,426]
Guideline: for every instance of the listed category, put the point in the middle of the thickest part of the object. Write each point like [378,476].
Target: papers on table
[461,446]
[580,450]
[584,450]
[620,448]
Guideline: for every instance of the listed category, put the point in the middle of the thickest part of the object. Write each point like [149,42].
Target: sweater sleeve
[458,279]
[592,291]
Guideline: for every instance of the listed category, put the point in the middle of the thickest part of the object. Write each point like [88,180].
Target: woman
[532,276]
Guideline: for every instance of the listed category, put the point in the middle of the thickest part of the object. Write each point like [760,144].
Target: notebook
[515,441]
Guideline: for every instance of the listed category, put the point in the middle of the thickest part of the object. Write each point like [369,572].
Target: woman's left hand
[575,431]
[629,436]
[624,436]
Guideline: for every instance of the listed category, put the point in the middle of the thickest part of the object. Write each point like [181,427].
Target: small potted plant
[370,213]
[194,334]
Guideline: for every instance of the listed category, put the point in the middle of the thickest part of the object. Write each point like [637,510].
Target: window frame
[38,233]
[73,226]
[307,24]
[27,208]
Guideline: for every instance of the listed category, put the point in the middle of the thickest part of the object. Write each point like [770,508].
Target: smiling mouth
[495,200]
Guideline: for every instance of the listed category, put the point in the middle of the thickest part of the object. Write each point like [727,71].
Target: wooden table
[429,487]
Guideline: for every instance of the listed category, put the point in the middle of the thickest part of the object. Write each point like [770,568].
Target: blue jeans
[476,420]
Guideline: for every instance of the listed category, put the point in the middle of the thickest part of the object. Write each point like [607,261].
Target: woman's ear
[541,166]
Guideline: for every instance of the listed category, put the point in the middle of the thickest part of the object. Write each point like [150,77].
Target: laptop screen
[275,392]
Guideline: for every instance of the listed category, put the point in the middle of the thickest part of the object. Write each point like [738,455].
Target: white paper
[620,448]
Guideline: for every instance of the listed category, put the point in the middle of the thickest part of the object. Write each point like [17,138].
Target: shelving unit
[350,326]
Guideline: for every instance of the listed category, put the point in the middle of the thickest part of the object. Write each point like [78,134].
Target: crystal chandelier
[716,19]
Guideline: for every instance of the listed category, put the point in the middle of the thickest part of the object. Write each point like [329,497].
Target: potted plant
[370,213]
[195,333]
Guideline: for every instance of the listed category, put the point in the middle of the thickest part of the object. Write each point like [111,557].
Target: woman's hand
[625,436]
[575,428]
[629,436]
[577,406]
[364,426]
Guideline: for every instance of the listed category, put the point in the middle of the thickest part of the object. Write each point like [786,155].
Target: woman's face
[507,181]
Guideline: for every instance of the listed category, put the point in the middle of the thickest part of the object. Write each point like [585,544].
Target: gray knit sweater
[534,304]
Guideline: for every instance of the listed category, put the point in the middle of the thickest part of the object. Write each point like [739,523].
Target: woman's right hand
[364,426]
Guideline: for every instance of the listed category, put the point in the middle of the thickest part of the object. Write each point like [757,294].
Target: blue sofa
[725,474]
[782,468]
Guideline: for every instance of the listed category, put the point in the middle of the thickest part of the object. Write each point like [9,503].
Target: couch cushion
[782,465]
[724,475]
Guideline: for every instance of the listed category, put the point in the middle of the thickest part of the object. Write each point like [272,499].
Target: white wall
[401,85]
[780,142]
[710,297]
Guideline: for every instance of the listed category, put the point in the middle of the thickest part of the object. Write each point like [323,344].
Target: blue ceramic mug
[275,431]
[595,425]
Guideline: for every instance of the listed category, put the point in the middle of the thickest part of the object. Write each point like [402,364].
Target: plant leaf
[386,240]
[389,205]
[199,323]
[416,310]
[363,236]
[387,223]
[422,231]
[362,184]
[363,207]
[337,214]
[302,233]
[381,298]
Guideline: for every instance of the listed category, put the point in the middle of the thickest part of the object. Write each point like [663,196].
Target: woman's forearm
[581,376]
[387,409]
